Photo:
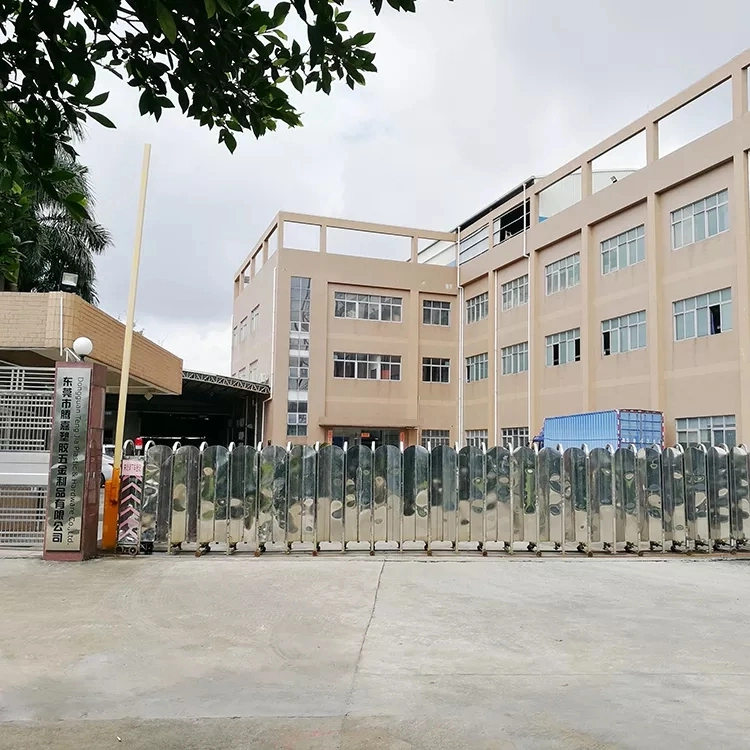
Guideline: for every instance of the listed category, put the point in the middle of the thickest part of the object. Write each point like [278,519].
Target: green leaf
[166,21]
[229,140]
[210,8]
[297,82]
[61,175]
[101,119]
[224,5]
[99,99]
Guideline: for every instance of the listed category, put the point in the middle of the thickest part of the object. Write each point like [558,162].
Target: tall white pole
[128,343]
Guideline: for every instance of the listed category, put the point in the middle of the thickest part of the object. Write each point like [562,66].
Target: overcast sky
[471,97]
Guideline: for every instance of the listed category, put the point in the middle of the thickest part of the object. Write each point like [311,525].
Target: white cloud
[471,97]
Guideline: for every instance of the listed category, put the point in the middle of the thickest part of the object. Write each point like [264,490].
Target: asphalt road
[374,653]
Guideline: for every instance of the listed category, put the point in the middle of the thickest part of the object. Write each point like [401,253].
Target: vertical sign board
[68,459]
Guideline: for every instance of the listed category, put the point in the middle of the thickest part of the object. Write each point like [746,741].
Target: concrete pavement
[354,653]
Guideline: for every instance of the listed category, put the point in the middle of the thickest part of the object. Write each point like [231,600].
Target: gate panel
[443,494]
[358,513]
[739,505]
[696,495]
[272,496]
[601,465]
[498,526]
[243,510]
[673,505]
[185,470]
[576,492]
[472,490]
[416,494]
[300,520]
[718,495]
[330,503]
[626,498]
[549,496]
[523,487]
[157,490]
[214,495]
[650,496]
[387,494]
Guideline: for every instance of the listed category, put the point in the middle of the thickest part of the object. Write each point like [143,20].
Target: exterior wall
[408,405]
[707,376]
[30,321]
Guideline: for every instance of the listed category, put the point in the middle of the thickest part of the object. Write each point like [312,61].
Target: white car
[107,464]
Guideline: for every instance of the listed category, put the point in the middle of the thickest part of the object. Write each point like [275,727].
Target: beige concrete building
[36,329]
[621,280]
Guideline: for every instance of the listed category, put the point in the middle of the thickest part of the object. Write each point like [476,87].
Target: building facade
[619,281]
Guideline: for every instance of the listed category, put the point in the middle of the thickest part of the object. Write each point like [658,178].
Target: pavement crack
[362,648]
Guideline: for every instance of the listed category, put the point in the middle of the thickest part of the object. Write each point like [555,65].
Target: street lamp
[69,281]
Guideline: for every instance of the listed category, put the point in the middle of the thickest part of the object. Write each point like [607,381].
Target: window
[243,329]
[366,366]
[242,374]
[254,321]
[624,334]
[516,436]
[511,223]
[515,358]
[436,370]
[705,315]
[477,308]
[707,431]
[704,218]
[436,437]
[477,438]
[516,292]
[625,250]
[564,347]
[367,307]
[298,383]
[475,244]
[563,273]
[296,418]
[252,371]
[436,313]
[476,368]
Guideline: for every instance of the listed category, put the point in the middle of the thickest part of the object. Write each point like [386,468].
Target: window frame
[363,366]
[430,436]
[516,356]
[631,244]
[684,222]
[570,341]
[477,308]
[371,307]
[439,365]
[515,293]
[520,436]
[562,269]
[706,425]
[688,322]
[477,367]
[439,310]
[627,328]
[476,438]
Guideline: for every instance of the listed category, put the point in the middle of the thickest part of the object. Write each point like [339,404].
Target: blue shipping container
[597,429]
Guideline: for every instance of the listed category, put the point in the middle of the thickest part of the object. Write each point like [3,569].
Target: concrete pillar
[493,356]
[739,199]
[415,249]
[323,238]
[536,348]
[589,325]
[739,93]
[652,142]
[659,313]
[412,371]
[587,185]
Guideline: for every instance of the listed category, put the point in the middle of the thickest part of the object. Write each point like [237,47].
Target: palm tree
[61,242]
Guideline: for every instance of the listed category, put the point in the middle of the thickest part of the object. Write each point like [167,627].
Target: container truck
[597,429]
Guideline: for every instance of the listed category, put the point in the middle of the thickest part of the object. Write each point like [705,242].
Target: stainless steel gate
[306,497]
[26,396]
